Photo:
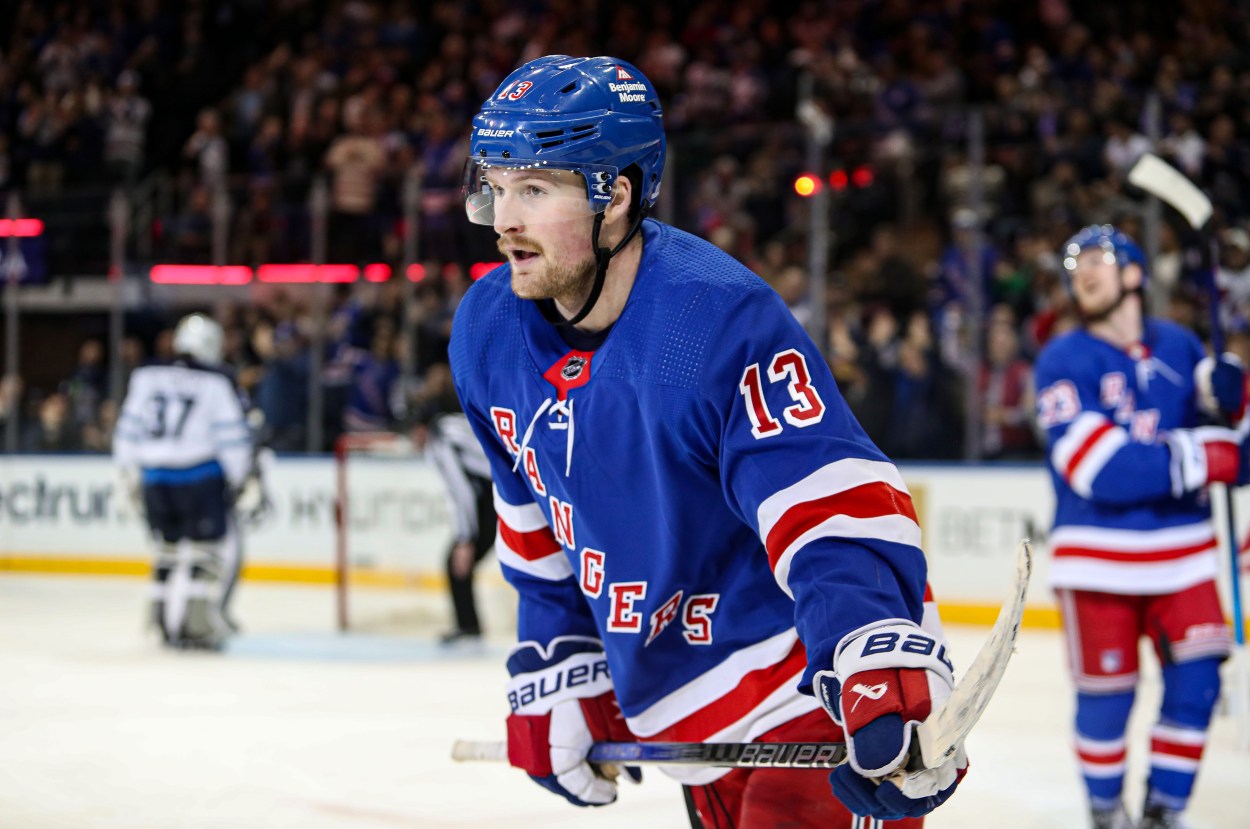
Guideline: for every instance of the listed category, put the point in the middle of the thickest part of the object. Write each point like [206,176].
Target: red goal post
[349,444]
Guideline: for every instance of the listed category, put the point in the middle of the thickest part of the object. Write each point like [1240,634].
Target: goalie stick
[937,738]
[1163,181]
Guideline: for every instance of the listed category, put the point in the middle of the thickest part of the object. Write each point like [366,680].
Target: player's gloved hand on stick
[885,679]
[562,701]
[1222,387]
[1205,455]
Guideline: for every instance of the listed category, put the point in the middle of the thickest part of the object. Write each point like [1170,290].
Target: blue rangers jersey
[694,493]
[1120,525]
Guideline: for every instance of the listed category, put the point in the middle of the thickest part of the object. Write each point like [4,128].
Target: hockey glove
[562,701]
[1202,456]
[1221,384]
[885,679]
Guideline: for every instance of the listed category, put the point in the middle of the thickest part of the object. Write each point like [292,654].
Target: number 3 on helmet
[598,117]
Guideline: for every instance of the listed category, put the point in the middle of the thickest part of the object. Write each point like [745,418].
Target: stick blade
[1157,177]
[940,735]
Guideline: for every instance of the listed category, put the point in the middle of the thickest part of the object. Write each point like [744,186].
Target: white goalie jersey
[182,415]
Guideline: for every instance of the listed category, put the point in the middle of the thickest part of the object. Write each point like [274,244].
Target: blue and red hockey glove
[886,678]
[1206,455]
[1222,386]
[562,701]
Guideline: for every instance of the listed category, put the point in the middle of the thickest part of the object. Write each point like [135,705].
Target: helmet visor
[534,192]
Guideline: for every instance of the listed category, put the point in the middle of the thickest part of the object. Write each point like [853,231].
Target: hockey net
[393,531]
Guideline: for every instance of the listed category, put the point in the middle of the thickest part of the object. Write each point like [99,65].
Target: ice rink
[296,726]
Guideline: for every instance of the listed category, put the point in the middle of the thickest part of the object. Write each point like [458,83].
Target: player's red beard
[1093,315]
[563,282]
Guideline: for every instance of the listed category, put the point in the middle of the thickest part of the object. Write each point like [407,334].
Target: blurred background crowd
[970,138]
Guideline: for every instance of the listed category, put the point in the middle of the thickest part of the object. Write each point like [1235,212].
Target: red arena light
[807,185]
[377,272]
[294,273]
[21,227]
[307,273]
[862,177]
[200,274]
[838,180]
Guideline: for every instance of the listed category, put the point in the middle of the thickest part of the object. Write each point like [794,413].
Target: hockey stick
[1162,180]
[736,755]
[938,737]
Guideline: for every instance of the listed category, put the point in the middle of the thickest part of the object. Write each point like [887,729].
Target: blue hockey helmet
[1116,245]
[592,116]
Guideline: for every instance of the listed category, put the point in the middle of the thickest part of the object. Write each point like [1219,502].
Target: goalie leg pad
[202,625]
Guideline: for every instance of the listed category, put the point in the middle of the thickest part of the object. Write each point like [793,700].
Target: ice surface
[297,726]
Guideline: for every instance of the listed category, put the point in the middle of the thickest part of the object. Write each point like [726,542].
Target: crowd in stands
[944,272]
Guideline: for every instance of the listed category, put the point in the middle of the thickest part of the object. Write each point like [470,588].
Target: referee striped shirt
[463,467]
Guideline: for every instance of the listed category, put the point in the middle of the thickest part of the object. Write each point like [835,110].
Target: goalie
[706,545]
[183,450]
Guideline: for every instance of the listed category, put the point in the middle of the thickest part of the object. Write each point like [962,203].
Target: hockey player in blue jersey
[1122,400]
[706,545]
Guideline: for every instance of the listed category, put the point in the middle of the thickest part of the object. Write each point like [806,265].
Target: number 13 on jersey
[790,366]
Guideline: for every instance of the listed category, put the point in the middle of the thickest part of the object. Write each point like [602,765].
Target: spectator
[925,419]
[1233,278]
[54,430]
[356,162]
[88,385]
[126,117]
[371,404]
[207,149]
[282,393]
[1124,145]
[191,233]
[1006,386]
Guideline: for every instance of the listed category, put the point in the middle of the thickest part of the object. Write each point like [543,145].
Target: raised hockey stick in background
[1162,180]
[937,737]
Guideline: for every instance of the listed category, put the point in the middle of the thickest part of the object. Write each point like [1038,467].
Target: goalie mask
[579,123]
[199,337]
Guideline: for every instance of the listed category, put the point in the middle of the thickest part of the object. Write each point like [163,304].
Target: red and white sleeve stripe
[850,498]
[1084,450]
[525,541]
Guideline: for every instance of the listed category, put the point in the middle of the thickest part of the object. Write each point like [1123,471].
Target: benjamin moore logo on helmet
[629,92]
[622,75]
[489,133]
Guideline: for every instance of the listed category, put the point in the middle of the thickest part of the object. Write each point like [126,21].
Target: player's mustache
[508,243]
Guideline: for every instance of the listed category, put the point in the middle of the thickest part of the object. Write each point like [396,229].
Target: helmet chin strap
[603,258]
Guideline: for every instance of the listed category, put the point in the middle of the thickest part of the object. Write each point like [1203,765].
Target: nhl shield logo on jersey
[569,372]
[573,368]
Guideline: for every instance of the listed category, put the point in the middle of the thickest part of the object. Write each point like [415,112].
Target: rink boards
[63,514]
